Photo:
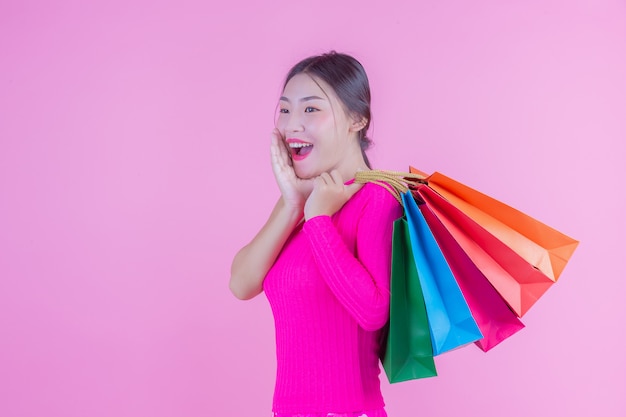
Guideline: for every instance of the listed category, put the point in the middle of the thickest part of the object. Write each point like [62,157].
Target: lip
[296,140]
[292,153]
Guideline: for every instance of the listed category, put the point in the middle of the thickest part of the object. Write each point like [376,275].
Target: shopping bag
[449,317]
[518,282]
[494,318]
[540,245]
[407,352]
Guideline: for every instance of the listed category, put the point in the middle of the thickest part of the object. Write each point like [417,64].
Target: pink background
[134,162]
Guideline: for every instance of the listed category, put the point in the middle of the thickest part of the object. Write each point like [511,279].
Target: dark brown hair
[346,76]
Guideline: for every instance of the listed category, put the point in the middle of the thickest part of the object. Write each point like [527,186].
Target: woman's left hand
[329,195]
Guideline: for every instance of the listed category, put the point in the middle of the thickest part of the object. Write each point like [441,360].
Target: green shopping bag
[408,351]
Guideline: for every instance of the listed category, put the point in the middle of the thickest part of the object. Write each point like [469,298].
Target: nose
[293,123]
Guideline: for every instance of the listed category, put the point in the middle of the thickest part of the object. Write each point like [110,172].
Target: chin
[306,175]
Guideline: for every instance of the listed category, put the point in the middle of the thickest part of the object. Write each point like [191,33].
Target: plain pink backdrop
[134,162]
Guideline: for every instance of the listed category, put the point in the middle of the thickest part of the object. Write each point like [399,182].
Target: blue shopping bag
[449,317]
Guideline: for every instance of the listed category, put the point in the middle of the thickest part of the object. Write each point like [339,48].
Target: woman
[323,257]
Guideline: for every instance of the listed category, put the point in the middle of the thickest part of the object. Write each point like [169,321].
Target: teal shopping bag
[449,317]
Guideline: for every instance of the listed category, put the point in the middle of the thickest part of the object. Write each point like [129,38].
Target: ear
[358,124]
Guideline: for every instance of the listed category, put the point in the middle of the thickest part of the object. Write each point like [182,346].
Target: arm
[360,284]
[252,262]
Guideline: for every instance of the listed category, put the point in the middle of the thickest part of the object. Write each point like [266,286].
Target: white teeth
[299,145]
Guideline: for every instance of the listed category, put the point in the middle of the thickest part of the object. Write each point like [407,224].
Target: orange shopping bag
[520,256]
[540,245]
[519,283]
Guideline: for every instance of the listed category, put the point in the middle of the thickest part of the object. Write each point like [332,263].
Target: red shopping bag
[493,316]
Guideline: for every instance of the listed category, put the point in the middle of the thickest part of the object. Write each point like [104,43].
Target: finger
[352,189]
[319,182]
[274,152]
[276,141]
[277,138]
[284,148]
[336,176]
[277,135]
[326,178]
[274,144]
[277,159]
[283,159]
[280,154]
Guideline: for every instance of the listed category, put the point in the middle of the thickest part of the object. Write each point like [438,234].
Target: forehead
[305,85]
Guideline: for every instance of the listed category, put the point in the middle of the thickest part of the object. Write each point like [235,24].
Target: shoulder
[374,198]
[372,193]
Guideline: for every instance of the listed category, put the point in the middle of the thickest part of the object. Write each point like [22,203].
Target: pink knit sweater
[329,292]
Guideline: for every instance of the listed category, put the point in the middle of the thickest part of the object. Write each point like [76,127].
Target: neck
[351,165]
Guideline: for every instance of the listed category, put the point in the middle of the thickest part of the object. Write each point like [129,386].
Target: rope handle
[396,182]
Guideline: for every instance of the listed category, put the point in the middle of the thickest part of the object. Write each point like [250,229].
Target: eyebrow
[307,98]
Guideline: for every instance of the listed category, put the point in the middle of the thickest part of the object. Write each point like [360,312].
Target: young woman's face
[315,126]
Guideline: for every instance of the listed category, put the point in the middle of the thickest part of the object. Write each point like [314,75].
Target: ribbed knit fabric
[329,292]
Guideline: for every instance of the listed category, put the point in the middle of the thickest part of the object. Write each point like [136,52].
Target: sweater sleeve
[361,283]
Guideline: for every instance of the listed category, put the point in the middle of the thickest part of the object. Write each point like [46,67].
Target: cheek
[280,123]
[279,119]
[323,122]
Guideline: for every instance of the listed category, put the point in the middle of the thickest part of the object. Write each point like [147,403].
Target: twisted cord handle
[396,182]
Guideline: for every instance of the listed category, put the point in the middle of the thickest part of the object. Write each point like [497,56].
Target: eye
[310,109]
[284,111]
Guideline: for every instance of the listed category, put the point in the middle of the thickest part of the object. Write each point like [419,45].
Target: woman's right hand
[254,260]
[294,190]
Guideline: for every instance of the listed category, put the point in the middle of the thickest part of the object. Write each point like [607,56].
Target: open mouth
[299,149]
